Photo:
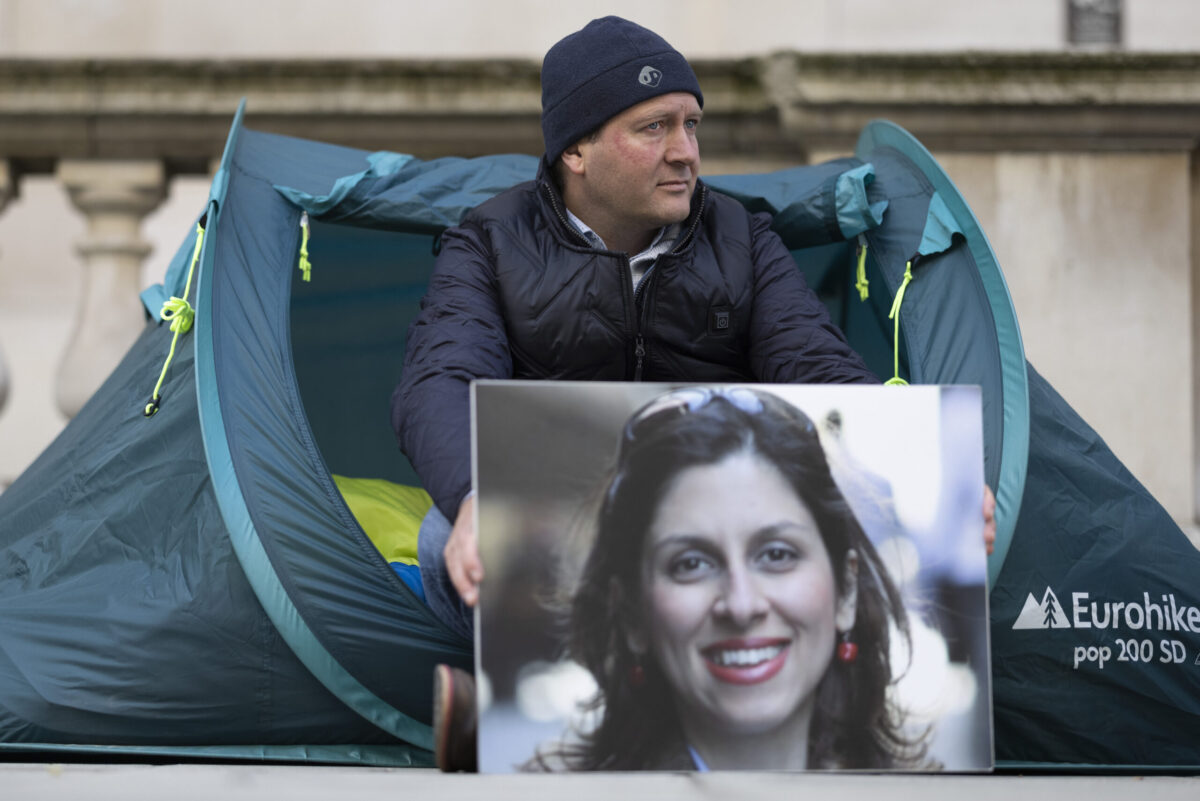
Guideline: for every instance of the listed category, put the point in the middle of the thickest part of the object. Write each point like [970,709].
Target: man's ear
[847,604]
[573,160]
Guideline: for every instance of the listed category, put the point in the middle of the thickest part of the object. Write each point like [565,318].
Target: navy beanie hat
[596,73]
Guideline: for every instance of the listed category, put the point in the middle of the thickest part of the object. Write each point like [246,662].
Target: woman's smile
[746,661]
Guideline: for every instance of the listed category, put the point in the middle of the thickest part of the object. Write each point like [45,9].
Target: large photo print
[731,577]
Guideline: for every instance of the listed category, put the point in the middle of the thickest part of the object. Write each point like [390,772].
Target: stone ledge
[987,102]
[778,106]
[971,78]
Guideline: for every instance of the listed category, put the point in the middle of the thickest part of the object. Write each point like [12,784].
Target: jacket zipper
[632,321]
[639,340]
[639,346]
[639,349]
[637,296]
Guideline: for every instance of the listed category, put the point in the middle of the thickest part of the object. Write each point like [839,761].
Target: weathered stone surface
[980,102]
[782,104]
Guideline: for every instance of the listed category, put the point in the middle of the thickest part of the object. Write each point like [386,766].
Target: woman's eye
[690,566]
[778,557]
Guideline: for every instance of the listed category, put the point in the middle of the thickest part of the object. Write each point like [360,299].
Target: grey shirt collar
[639,264]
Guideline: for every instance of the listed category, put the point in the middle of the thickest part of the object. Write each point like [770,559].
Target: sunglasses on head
[681,402]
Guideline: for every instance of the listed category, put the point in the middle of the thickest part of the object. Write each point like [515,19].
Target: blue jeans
[440,594]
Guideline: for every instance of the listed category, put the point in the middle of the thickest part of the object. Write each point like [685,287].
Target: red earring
[637,675]
[847,651]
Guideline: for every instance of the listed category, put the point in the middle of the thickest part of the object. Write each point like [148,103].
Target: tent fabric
[381,163]
[814,205]
[940,228]
[967,332]
[195,583]
[287,383]
[427,196]
[123,620]
[856,212]
[949,335]
[326,588]
[1089,537]
[366,755]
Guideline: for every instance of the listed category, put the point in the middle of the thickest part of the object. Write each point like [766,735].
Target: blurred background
[1071,126]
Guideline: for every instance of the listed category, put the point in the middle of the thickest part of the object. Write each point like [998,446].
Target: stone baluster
[6,194]
[114,196]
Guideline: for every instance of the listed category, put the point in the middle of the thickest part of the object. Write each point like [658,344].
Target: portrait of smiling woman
[723,607]
[751,630]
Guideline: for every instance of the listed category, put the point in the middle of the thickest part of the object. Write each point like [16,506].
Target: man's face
[638,174]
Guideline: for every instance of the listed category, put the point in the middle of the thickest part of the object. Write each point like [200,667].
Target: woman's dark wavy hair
[853,725]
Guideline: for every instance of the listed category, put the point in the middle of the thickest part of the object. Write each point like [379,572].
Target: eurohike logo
[1144,614]
[1048,614]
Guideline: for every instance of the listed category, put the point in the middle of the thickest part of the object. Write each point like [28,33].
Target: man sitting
[615,263]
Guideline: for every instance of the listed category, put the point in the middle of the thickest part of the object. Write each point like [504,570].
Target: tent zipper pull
[894,314]
[860,277]
[305,265]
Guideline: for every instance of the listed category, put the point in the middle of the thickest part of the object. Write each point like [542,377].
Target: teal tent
[192,582]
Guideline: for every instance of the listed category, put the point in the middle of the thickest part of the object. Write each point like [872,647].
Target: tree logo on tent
[1048,614]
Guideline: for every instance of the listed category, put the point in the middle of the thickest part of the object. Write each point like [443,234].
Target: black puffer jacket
[518,293]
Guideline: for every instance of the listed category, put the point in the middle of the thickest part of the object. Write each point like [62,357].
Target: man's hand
[462,553]
[989,519]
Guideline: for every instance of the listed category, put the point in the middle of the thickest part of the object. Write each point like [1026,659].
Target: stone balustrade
[114,196]
[1081,166]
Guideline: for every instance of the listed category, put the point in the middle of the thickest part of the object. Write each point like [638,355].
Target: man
[616,263]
